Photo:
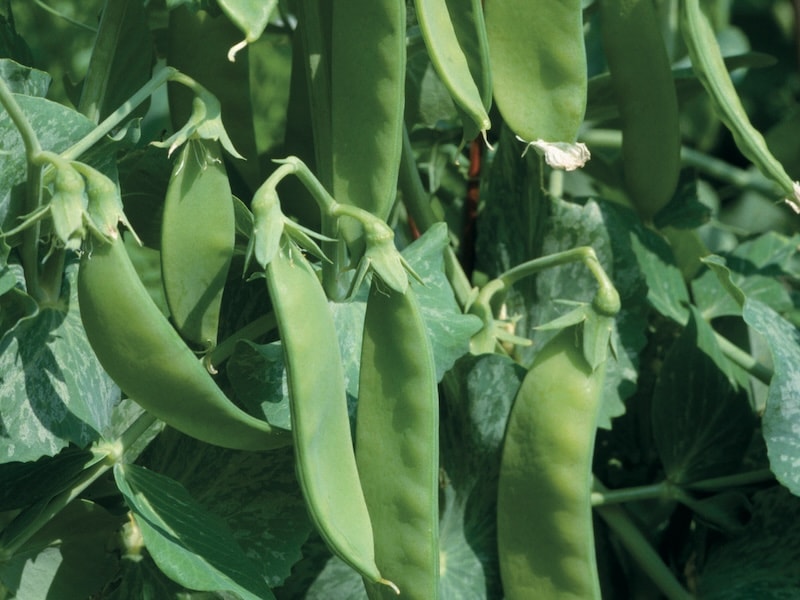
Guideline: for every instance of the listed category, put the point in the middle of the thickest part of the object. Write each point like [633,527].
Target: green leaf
[701,425]
[68,558]
[53,390]
[781,420]
[57,128]
[755,267]
[762,561]
[258,376]
[190,545]
[25,483]
[449,330]
[684,211]
[256,494]
[478,396]
[24,80]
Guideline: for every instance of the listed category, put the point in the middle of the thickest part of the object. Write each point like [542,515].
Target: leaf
[684,211]
[781,420]
[477,399]
[53,390]
[57,128]
[258,376]
[755,267]
[67,558]
[449,330]
[762,561]
[256,494]
[25,483]
[190,545]
[24,80]
[701,425]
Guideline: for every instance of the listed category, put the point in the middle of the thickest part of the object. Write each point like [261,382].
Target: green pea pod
[197,240]
[146,357]
[324,455]
[709,66]
[367,84]
[544,512]
[538,59]
[397,442]
[641,76]
[450,61]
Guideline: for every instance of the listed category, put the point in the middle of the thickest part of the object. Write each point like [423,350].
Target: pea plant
[370,299]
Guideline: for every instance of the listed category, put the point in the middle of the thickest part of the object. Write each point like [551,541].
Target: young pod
[149,361]
[397,446]
[544,512]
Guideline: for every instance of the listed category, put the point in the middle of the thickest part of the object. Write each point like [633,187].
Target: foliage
[377,148]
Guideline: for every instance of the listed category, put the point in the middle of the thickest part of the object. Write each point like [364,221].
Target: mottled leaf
[781,420]
[53,390]
[24,80]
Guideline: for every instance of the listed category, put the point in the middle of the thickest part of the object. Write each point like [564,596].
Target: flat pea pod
[198,234]
[544,513]
[397,442]
[539,71]
[324,455]
[146,357]
[450,62]
[641,76]
[709,66]
[368,50]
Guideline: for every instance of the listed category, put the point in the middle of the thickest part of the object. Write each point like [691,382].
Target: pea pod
[367,85]
[397,442]
[709,66]
[450,61]
[197,240]
[544,513]
[645,92]
[324,455]
[538,60]
[146,357]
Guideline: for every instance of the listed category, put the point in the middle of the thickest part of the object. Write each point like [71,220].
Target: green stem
[95,85]
[29,252]
[732,481]
[746,361]
[656,491]
[37,516]
[115,118]
[418,204]
[262,325]
[640,549]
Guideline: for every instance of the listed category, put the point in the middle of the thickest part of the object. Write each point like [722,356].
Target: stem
[97,77]
[418,204]
[743,359]
[640,549]
[115,118]
[731,481]
[29,252]
[708,165]
[108,454]
[251,331]
[656,491]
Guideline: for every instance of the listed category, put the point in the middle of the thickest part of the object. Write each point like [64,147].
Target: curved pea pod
[397,442]
[324,456]
[367,101]
[450,61]
[147,358]
[641,76]
[544,512]
[538,60]
[709,66]
[197,240]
